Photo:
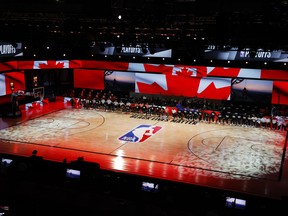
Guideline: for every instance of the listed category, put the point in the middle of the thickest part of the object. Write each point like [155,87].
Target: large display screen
[8,49]
[251,90]
[89,79]
[183,85]
[120,81]
[280,93]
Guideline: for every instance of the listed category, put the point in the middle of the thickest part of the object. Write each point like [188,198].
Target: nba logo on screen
[140,133]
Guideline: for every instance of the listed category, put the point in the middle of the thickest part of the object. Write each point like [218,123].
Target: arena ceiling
[179,24]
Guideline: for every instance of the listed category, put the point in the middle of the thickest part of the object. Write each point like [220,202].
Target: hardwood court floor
[233,158]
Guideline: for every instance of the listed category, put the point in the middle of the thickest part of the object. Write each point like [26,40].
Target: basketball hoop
[38,93]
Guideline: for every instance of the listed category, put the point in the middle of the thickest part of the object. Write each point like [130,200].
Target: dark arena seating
[34,186]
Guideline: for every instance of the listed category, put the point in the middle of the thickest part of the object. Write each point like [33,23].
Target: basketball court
[233,158]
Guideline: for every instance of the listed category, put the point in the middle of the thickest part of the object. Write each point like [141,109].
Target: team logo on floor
[140,133]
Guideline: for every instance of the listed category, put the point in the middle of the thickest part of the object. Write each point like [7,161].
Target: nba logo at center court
[140,133]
